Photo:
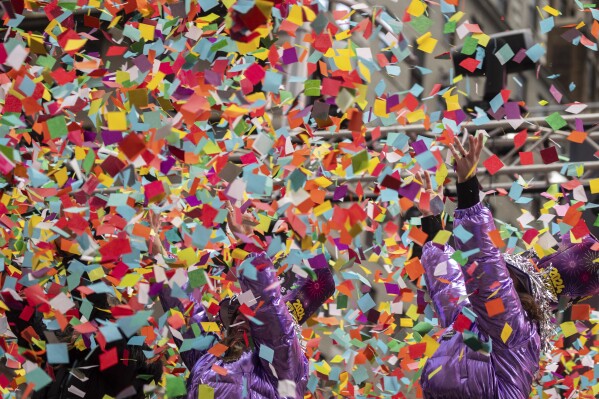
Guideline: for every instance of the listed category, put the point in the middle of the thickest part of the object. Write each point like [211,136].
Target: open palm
[466,162]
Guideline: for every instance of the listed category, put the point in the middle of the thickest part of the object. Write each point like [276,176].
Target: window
[592,78]
[502,5]
[522,84]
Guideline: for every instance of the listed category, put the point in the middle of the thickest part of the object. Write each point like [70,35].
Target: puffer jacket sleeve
[445,282]
[488,282]
[191,348]
[274,331]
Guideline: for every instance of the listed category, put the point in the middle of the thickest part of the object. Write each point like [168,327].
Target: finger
[460,147]
[481,141]
[472,144]
[427,181]
[454,152]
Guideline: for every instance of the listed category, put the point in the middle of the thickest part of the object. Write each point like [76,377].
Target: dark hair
[526,299]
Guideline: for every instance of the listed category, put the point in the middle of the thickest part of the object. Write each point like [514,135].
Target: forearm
[468,193]
[273,326]
[445,282]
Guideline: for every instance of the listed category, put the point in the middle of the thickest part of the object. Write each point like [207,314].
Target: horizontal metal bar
[450,190]
[469,126]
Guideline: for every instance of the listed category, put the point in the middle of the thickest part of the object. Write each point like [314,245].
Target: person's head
[526,299]
[236,329]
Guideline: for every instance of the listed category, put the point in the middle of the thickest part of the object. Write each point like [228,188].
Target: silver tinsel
[542,292]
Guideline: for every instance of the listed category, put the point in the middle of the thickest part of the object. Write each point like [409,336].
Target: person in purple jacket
[492,317]
[265,358]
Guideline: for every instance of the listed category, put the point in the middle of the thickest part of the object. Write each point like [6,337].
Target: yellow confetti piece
[453,103]
[205,392]
[80,153]
[97,274]
[147,31]
[441,174]
[210,326]
[114,21]
[406,322]
[116,121]
[310,15]
[413,312]
[156,80]
[263,222]
[343,35]
[552,11]
[365,71]
[431,345]
[482,38]
[506,332]
[594,185]
[74,44]
[322,182]
[239,254]
[435,371]
[342,59]
[380,108]
[442,237]
[129,280]
[426,43]
[188,256]
[322,208]
[106,180]
[323,367]
[568,328]
[457,16]
[415,116]
[122,77]
[416,8]
[211,148]
[61,176]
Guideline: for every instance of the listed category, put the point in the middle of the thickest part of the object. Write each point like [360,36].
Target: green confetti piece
[88,162]
[197,278]
[359,161]
[175,386]
[312,88]
[469,46]
[57,127]
[342,301]
[459,257]
[421,24]
[423,328]
[450,27]
[556,121]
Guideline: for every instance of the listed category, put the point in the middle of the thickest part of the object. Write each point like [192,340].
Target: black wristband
[468,193]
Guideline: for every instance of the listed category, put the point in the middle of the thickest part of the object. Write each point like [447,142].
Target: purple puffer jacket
[455,370]
[251,376]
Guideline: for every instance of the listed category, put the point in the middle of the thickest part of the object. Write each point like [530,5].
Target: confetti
[112,115]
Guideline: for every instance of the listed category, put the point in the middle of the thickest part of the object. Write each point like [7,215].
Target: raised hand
[431,201]
[240,224]
[466,162]
[155,244]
